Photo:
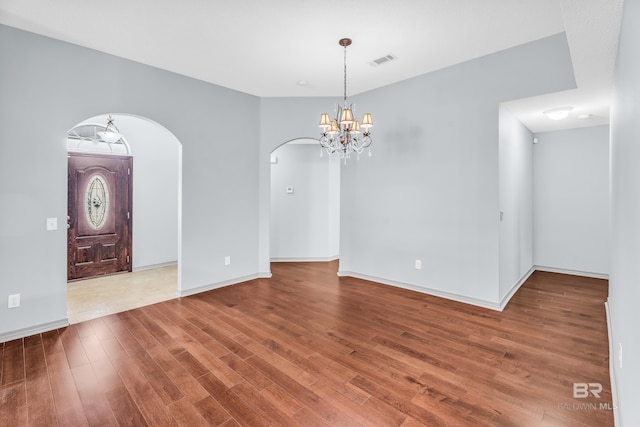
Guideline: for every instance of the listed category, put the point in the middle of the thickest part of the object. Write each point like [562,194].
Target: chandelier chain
[345,74]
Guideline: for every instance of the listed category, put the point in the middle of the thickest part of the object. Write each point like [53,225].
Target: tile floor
[92,298]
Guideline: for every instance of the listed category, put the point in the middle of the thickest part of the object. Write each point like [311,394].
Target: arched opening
[305,203]
[155,217]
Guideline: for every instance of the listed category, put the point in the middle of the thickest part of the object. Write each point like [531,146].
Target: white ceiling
[290,47]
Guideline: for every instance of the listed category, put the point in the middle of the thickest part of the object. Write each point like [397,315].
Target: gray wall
[47,87]
[571,200]
[516,203]
[304,224]
[624,287]
[431,189]
[334,206]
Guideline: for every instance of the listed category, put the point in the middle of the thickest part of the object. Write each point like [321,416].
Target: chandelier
[343,134]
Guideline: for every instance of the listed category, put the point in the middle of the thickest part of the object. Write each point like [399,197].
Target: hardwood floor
[308,348]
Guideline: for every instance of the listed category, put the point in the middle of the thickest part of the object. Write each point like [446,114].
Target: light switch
[52,224]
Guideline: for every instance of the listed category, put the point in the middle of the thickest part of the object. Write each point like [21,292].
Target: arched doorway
[305,203]
[155,215]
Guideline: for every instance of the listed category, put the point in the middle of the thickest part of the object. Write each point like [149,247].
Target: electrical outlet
[418,264]
[227,260]
[13,301]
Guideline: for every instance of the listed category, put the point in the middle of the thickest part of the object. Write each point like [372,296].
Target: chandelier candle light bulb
[343,134]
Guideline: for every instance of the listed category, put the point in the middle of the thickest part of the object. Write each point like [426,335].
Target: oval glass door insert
[97,200]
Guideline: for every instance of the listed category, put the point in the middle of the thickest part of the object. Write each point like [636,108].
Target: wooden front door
[99,215]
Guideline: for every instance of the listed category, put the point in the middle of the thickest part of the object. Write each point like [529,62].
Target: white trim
[179,287]
[32,330]
[612,372]
[306,259]
[470,300]
[571,272]
[265,275]
[505,300]
[455,297]
[212,286]
[151,267]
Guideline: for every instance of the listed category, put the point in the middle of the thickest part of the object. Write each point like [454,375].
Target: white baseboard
[470,300]
[571,272]
[45,327]
[306,259]
[612,372]
[150,267]
[424,290]
[212,286]
[505,300]
[32,330]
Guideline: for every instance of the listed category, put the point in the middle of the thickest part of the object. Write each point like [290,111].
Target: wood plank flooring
[308,348]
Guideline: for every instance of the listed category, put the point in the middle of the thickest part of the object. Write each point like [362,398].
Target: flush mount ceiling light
[110,134]
[342,134]
[557,113]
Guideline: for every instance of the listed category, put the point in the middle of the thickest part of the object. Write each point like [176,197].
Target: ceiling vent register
[383,60]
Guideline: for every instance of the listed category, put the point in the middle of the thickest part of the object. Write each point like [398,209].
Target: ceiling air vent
[384,60]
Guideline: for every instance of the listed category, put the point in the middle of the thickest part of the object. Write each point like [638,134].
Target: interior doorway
[154,272]
[305,203]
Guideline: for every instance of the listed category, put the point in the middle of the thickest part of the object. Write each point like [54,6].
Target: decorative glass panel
[97,201]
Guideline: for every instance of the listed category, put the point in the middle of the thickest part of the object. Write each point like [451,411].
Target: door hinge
[127,258]
[128,171]
[128,215]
